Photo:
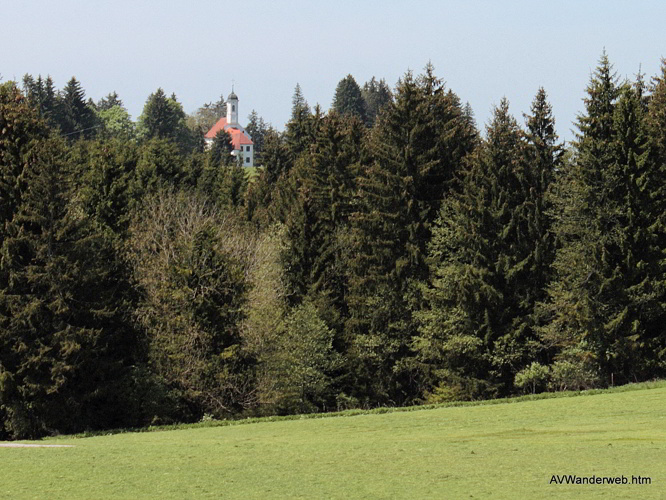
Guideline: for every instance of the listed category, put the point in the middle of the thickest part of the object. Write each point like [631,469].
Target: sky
[484,50]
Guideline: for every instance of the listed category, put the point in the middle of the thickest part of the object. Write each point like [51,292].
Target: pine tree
[75,118]
[163,117]
[415,149]
[487,256]
[257,129]
[299,127]
[605,298]
[60,332]
[43,96]
[376,95]
[349,99]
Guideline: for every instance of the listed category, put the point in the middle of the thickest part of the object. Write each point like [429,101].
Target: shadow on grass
[657,384]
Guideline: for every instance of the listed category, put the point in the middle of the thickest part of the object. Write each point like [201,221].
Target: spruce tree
[299,127]
[61,328]
[415,148]
[487,257]
[257,129]
[42,94]
[163,118]
[76,119]
[605,299]
[324,184]
[376,94]
[349,99]
[22,127]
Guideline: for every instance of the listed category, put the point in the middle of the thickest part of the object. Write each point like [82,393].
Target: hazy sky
[484,50]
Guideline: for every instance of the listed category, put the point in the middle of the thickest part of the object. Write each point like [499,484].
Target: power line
[84,130]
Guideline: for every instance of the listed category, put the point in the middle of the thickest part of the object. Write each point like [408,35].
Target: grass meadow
[508,450]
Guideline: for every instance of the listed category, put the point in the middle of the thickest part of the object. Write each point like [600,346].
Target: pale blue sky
[484,50]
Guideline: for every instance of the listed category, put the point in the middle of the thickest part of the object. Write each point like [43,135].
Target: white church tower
[232,109]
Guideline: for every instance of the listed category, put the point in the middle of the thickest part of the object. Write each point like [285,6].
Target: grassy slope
[489,451]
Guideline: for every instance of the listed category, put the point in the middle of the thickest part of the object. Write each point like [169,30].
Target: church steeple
[232,108]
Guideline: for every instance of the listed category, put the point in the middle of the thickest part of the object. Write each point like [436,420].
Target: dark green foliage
[299,127]
[376,95]
[275,156]
[74,116]
[266,194]
[233,185]
[220,152]
[163,118]
[42,95]
[60,334]
[160,164]
[105,175]
[490,256]
[20,128]
[223,178]
[390,259]
[348,98]
[110,101]
[607,296]
[323,182]
[301,364]
[257,129]
[416,148]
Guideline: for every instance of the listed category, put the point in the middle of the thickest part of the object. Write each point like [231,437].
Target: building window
[247,148]
[233,107]
[247,160]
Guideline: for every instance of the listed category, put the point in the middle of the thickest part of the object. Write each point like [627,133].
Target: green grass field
[485,451]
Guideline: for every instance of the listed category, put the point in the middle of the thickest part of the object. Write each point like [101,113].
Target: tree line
[385,253]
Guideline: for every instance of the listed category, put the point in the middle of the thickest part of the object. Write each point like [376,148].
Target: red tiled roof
[221,123]
[239,138]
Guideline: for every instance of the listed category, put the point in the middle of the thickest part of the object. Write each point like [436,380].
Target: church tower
[232,109]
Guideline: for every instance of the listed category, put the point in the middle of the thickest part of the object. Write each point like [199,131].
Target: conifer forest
[388,252]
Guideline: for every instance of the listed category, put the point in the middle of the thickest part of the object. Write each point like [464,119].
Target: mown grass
[482,451]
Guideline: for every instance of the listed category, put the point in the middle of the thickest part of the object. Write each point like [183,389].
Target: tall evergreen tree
[57,366]
[605,299]
[299,127]
[75,117]
[416,147]
[163,118]
[476,333]
[257,129]
[22,127]
[324,183]
[349,99]
[376,94]
[42,94]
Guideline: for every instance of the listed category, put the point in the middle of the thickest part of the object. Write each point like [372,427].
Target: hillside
[485,451]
